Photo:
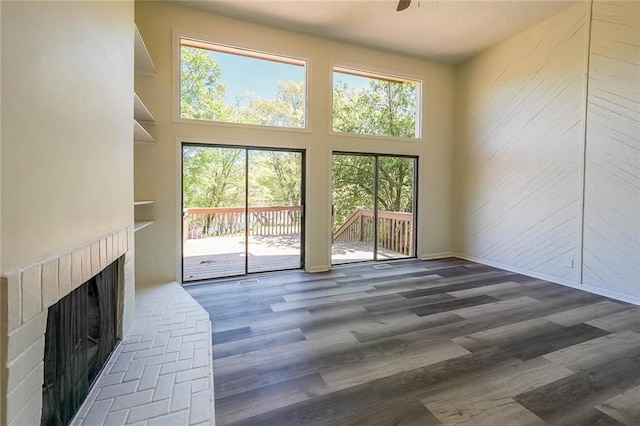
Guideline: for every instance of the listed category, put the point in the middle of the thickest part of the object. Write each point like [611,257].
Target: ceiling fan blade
[403,4]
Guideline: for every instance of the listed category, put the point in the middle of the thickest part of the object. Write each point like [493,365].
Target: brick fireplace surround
[161,372]
[28,292]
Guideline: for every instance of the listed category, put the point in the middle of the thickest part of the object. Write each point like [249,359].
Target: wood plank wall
[524,148]
[518,165]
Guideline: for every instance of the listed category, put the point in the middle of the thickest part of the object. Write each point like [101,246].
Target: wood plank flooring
[420,343]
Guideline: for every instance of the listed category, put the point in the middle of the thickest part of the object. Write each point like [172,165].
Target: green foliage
[354,186]
[386,108]
[276,178]
[213,177]
[395,184]
[285,110]
[201,93]
[202,96]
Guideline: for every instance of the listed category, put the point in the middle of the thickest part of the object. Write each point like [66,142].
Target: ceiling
[443,30]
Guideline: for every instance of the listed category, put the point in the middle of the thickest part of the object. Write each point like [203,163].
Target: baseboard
[436,256]
[568,283]
[316,269]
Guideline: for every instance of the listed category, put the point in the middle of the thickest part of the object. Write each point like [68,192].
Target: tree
[277,178]
[213,177]
[395,184]
[285,110]
[354,186]
[202,96]
[201,92]
[384,108]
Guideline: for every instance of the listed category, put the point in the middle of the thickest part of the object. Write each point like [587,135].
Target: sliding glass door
[213,218]
[274,240]
[395,207]
[242,211]
[373,207]
[353,178]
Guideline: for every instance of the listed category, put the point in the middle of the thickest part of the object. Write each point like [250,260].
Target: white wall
[157,166]
[66,166]
[612,189]
[67,113]
[518,158]
[548,173]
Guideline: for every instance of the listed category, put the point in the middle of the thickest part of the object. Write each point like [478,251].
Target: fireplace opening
[80,336]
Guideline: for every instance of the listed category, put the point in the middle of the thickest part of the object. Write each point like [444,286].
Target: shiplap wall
[524,149]
[518,158]
[612,184]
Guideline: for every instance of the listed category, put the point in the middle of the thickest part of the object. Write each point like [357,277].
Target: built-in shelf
[141,224]
[142,63]
[140,111]
[140,134]
[141,115]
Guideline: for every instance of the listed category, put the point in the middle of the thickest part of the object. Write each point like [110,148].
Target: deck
[217,257]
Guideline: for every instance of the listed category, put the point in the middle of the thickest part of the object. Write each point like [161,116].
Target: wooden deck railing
[395,230]
[204,222]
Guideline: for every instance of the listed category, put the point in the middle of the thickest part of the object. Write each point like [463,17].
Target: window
[373,104]
[233,85]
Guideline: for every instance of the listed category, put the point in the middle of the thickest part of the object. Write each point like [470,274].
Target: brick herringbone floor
[161,372]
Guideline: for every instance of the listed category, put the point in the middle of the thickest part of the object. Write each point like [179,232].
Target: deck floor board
[219,257]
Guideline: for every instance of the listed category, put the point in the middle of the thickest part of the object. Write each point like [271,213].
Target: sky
[241,75]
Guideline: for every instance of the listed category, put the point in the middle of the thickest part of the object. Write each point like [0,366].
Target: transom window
[367,103]
[233,85]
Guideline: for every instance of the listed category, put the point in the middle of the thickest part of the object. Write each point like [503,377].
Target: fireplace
[81,334]
[27,293]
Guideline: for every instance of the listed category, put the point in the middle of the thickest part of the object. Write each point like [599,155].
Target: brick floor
[161,373]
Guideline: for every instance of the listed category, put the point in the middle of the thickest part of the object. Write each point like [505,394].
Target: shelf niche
[141,114]
[138,225]
[143,65]
[140,111]
[142,61]
[140,134]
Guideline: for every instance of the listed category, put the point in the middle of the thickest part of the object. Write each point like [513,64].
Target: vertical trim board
[612,181]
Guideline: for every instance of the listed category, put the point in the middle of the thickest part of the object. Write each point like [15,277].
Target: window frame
[382,74]
[179,35]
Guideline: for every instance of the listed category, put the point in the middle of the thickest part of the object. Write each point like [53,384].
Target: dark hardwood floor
[420,342]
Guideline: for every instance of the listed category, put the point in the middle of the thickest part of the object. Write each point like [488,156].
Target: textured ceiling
[446,30]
